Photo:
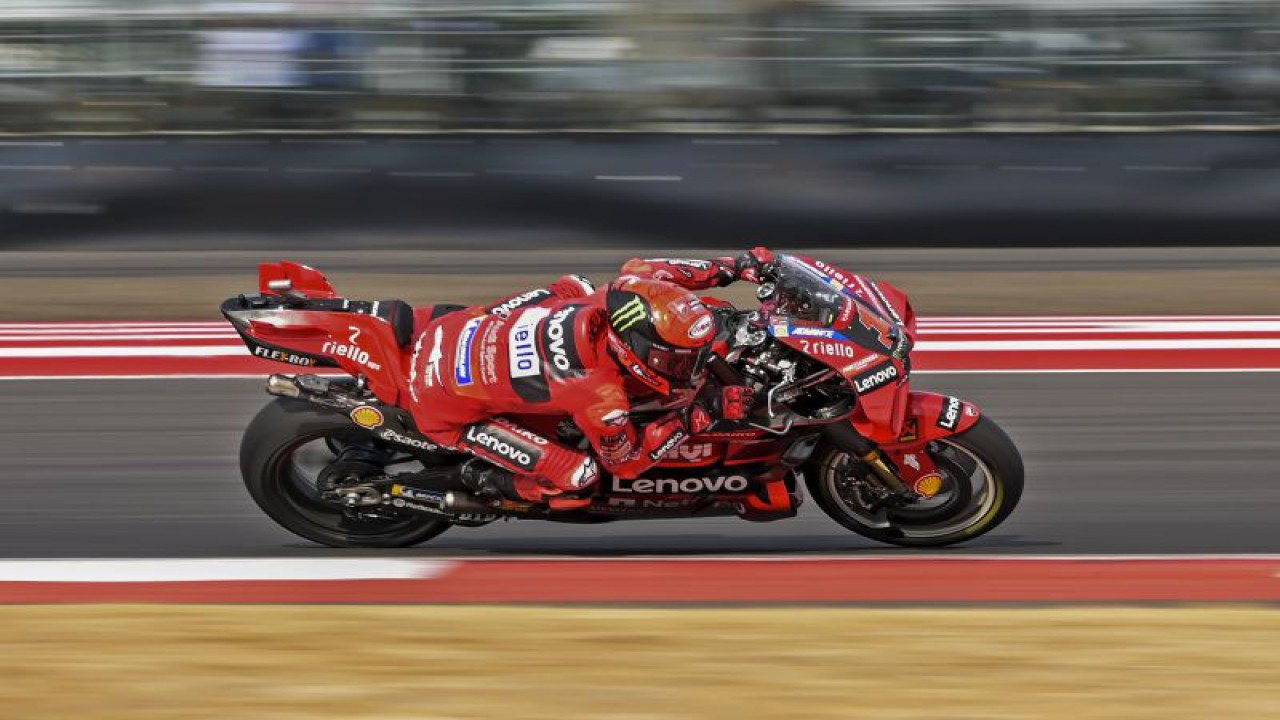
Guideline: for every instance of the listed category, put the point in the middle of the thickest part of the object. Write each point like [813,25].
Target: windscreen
[805,293]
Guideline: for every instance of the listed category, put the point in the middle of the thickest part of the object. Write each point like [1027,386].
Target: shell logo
[367,417]
[929,485]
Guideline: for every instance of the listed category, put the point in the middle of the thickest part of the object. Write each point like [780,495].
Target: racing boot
[491,482]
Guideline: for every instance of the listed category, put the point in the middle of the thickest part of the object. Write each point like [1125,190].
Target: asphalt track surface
[1117,463]
[869,190]
[540,255]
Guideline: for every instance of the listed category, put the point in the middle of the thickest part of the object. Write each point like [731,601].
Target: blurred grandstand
[184,65]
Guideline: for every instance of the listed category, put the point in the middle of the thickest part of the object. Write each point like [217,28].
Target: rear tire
[267,454]
[989,504]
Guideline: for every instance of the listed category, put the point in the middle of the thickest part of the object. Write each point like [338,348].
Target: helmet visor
[680,365]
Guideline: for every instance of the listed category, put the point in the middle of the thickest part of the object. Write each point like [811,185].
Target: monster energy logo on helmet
[626,317]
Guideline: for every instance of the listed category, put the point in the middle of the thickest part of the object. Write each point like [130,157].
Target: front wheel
[285,448]
[983,479]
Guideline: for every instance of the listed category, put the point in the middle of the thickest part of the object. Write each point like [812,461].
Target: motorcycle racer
[570,350]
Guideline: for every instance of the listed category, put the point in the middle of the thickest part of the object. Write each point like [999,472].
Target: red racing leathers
[547,352]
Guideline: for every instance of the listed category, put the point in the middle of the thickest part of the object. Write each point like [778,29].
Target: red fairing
[929,416]
[895,304]
[304,280]
[360,344]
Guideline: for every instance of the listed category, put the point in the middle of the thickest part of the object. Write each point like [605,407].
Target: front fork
[882,473]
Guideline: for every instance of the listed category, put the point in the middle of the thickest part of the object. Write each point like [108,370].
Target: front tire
[985,473]
[283,438]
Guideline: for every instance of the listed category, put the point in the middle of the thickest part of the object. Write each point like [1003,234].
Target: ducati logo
[691,452]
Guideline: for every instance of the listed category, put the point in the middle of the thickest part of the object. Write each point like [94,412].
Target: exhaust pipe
[462,503]
[283,386]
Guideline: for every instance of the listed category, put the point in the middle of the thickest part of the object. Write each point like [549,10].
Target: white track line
[133,351]
[990,371]
[917,557]
[231,350]
[1210,321]
[24,339]
[220,569]
[322,569]
[1121,345]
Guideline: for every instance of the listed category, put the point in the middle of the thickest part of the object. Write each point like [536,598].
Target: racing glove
[754,265]
[728,402]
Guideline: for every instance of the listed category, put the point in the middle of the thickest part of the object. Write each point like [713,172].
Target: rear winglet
[290,278]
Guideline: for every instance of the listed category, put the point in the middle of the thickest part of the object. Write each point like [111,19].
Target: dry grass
[401,663]
[932,292]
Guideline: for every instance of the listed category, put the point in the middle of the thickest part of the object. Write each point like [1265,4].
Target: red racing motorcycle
[336,459]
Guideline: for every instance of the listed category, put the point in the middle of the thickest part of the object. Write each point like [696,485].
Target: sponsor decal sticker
[417,494]
[367,417]
[433,360]
[950,415]
[505,308]
[410,505]
[686,308]
[350,350]
[667,446]
[860,363]
[875,378]
[902,346]
[283,356]
[887,305]
[910,431]
[929,485]
[489,355]
[586,474]
[420,443]
[689,452]
[795,331]
[683,262]
[522,350]
[529,435]
[559,339]
[832,348]
[911,461]
[462,353]
[701,329]
[487,437]
[833,272]
[627,316]
[673,486]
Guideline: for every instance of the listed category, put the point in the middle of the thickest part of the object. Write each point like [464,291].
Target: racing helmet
[660,332]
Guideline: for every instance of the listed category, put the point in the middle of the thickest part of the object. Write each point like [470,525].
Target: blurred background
[779,65]
[410,124]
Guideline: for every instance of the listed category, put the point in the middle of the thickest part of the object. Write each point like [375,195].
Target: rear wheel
[983,478]
[287,447]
